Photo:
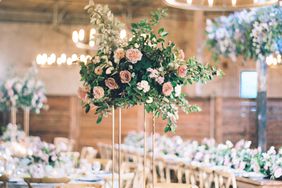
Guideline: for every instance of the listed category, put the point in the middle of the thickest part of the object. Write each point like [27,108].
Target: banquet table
[243,182]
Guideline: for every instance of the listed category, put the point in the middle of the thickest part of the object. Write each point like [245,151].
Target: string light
[52,60]
[273,60]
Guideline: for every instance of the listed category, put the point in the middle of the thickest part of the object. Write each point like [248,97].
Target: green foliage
[155,71]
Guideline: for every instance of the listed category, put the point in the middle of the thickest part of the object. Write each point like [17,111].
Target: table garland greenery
[142,70]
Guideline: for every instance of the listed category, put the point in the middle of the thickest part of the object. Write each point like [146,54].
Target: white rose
[143,85]
[178,90]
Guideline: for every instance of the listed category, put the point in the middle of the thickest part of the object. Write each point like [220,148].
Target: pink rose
[98,92]
[182,71]
[160,80]
[181,54]
[119,54]
[167,89]
[111,83]
[125,76]
[98,70]
[133,55]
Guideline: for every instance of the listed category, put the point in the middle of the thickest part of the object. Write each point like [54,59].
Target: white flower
[278,172]
[178,90]
[153,73]
[143,85]
[149,100]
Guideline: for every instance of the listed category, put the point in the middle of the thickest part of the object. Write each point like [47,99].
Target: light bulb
[69,61]
[234,2]
[53,58]
[74,57]
[122,34]
[81,35]
[75,37]
[91,43]
[44,58]
[92,33]
[63,58]
[39,59]
[189,2]
[59,61]
[210,3]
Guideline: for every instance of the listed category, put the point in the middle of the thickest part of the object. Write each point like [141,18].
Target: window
[248,84]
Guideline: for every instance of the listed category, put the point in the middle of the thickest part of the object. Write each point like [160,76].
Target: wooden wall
[222,118]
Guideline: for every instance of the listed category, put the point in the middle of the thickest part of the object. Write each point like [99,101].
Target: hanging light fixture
[45,60]
[84,39]
[218,5]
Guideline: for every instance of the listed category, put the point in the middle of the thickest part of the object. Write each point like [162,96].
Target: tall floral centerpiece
[143,70]
[9,94]
[254,35]
[27,93]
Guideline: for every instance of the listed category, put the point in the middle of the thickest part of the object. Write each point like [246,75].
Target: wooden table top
[257,182]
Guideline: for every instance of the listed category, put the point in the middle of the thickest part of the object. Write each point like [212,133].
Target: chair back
[206,177]
[80,185]
[224,179]
[192,174]
[64,144]
[126,180]
[173,185]
[88,153]
[106,164]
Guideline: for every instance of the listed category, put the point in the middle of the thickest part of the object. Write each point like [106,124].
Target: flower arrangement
[142,70]
[9,93]
[253,34]
[23,93]
[239,157]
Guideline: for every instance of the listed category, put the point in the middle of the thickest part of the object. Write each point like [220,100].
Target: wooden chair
[80,185]
[126,180]
[224,179]
[4,179]
[106,164]
[173,185]
[88,153]
[192,175]
[206,177]
[74,156]
[173,168]
[64,144]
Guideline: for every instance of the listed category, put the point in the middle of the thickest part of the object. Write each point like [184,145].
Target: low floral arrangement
[240,156]
[142,70]
[28,92]
[254,34]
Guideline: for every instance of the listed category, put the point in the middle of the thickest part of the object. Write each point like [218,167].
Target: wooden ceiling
[70,11]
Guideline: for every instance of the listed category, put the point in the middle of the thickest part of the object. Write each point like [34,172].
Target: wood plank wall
[221,118]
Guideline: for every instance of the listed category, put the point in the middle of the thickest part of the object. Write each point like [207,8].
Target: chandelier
[218,5]
[85,39]
[45,60]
